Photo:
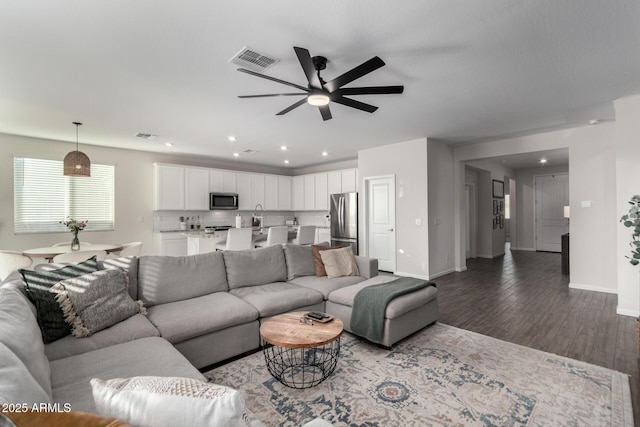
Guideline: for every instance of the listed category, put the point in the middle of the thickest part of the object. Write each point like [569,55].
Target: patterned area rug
[441,376]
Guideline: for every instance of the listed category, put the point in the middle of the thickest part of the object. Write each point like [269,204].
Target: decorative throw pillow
[317,261]
[95,301]
[340,262]
[169,401]
[37,284]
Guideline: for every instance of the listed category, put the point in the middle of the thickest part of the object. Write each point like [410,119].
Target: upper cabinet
[250,188]
[277,193]
[321,192]
[196,189]
[344,181]
[222,181]
[297,195]
[169,191]
[284,193]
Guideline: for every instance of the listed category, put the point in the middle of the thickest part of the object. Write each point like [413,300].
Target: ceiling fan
[320,93]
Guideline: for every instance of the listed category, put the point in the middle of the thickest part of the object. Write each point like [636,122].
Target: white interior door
[552,194]
[381,221]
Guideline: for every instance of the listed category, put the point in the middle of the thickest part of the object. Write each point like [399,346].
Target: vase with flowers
[74,226]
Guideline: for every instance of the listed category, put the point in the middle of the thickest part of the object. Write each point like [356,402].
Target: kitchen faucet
[259,217]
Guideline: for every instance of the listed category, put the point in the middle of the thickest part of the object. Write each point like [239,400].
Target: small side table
[301,355]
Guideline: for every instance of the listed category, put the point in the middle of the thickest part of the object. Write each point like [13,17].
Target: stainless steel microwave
[220,201]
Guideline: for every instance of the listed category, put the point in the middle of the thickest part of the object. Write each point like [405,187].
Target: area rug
[441,376]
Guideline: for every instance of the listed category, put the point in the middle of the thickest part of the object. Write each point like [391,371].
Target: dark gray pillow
[93,302]
[49,315]
[299,261]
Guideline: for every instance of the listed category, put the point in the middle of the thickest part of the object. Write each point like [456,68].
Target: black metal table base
[302,367]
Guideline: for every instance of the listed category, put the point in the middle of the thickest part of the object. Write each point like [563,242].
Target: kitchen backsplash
[170,220]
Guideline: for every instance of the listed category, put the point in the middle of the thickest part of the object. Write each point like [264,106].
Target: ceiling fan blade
[273,79]
[355,73]
[373,90]
[325,112]
[272,94]
[307,66]
[354,104]
[291,107]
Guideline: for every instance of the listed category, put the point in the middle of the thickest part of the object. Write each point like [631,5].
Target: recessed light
[286,162]
[543,161]
[236,154]
[169,144]
[231,138]
[324,153]
[283,147]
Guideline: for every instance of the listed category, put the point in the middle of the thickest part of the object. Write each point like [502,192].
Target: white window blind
[43,196]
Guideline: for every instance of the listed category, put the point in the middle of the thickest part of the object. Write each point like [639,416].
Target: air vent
[248,151]
[148,136]
[252,60]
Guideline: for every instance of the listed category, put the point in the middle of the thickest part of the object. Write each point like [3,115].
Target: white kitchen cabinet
[257,190]
[222,181]
[284,193]
[243,184]
[334,182]
[309,192]
[349,180]
[196,189]
[170,244]
[297,195]
[271,192]
[323,234]
[321,192]
[169,187]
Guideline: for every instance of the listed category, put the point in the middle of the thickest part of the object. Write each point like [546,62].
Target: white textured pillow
[339,262]
[169,401]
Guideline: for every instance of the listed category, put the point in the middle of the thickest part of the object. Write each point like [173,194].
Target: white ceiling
[472,70]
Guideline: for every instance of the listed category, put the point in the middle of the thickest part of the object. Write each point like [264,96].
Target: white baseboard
[417,276]
[442,273]
[523,249]
[484,256]
[461,269]
[592,288]
[498,254]
[627,312]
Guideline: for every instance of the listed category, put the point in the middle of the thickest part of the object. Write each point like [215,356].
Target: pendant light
[76,163]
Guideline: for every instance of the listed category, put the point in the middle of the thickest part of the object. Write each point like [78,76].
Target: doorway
[552,194]
[380,200]
[471,222]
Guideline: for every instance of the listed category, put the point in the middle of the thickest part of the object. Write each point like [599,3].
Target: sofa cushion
[17,385]
[19,331]
[299,260]
[50,317]
[169,401]
[339,262]
[325,285]
[68,419]
[317,260]
[133,328]
[255,266]
[278,297]
[178,321]
[96,301]
[397,307]
[128,264]
[163,279]
[147,356]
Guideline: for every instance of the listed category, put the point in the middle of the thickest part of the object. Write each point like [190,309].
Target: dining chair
[237,239]
[69,243]
[306,235]
[10,261]
[132,248]
[275,236]
[80,256]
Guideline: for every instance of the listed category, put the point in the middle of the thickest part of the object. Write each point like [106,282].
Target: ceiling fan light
[318,99]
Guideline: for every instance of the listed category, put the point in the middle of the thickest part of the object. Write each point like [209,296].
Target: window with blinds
[43,196]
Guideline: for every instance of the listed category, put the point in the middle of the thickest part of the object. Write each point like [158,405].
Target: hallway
[523,298]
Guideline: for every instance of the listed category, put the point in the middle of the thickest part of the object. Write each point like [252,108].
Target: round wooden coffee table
[303,353]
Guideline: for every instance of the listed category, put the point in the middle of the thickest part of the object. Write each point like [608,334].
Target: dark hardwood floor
[524,298]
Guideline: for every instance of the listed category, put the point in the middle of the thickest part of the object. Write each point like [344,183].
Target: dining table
[51,251]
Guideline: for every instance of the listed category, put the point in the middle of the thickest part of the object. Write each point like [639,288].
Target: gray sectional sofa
[201,309]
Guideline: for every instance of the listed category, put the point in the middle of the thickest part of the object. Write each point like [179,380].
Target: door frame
[473,225]
[365,214]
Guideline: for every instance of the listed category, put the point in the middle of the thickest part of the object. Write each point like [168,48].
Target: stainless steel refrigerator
[344,220]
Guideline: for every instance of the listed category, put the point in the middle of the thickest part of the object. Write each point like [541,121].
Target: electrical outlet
[418,221]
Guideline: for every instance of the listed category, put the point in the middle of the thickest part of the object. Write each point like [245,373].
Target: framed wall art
[498,189]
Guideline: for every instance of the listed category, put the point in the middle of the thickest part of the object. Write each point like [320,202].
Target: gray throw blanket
[370,304]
